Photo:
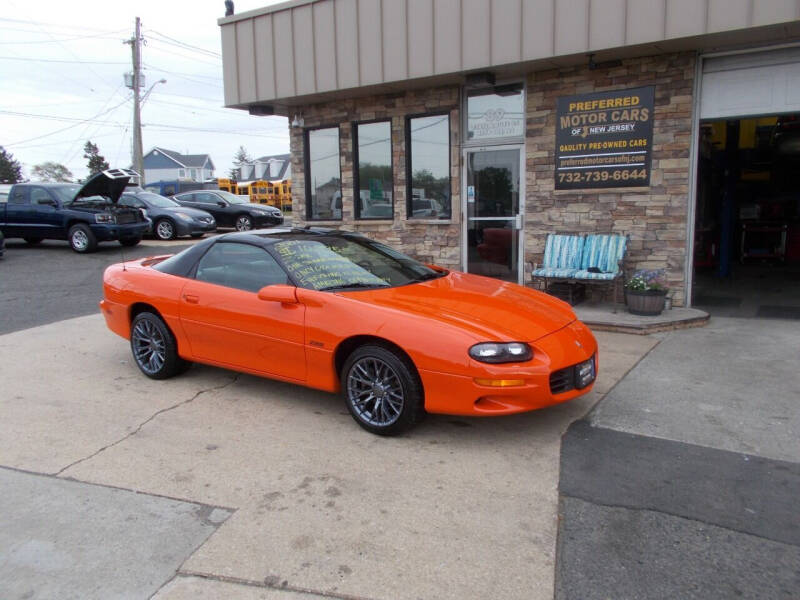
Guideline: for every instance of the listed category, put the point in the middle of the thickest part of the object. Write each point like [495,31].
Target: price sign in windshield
[604,139]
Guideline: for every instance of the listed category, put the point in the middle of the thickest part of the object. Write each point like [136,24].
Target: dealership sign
[605,139]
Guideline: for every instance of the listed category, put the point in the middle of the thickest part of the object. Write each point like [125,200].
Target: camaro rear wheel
[81,238]
[154,348]
[382,390]
[165,229]
[244,223]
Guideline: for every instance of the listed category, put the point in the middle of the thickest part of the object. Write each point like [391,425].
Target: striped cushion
[562,251]
[565,273]
[600,276]
[604,252]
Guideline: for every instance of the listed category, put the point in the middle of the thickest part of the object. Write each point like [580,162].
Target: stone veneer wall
[654,217]
[432,241]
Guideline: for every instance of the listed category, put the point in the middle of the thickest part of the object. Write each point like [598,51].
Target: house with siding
[161,164]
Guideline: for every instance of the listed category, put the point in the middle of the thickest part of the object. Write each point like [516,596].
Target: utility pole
[136,50]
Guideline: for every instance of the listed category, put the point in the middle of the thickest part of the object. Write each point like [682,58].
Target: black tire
[81,239]
[154,349]
[243,223]
[32,240]
[130,242]
[165,230]
[382,390]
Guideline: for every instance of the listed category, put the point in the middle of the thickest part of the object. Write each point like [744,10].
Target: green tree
[97,162]
[51,171]
[240,158]
[10,169]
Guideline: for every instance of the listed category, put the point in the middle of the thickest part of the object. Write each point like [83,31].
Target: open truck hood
[108,184]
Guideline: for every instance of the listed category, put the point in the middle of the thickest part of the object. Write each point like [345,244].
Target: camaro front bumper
[505,389]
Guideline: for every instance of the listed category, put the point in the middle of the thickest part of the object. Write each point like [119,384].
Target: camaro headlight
[104,218]
[492,352]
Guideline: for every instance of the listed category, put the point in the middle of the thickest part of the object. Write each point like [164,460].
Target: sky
[61,83]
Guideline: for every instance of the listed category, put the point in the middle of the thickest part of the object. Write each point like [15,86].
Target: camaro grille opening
[576,376]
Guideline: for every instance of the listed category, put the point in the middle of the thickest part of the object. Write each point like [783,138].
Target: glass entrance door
[493,212]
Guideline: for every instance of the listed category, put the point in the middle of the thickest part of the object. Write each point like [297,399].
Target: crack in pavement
[146,421]
[272,582]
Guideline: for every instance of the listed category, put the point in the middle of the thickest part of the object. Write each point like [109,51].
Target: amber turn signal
[500,382]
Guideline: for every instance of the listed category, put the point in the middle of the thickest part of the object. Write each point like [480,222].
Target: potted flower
[646,292]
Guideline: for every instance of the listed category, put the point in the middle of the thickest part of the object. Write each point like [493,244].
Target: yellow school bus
[259,191]
[227,185]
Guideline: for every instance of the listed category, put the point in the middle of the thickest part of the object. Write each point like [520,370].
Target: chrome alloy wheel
[165,230]
[80,241]
[149,346]
[244,223]
[375,392]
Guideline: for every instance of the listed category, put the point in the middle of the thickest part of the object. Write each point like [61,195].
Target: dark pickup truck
[82,215]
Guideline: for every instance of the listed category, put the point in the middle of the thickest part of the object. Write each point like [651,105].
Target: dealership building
[463,132]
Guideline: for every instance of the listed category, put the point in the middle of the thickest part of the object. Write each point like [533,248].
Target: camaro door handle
[191,298]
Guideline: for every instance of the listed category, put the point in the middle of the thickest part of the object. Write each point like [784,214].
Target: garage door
[756,83]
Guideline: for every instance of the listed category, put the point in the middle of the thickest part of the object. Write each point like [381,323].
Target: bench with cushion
[591,259]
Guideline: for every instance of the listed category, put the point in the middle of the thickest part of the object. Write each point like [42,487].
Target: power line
[56,25]
[52,60]
[184,44]
[38,137]
[192,58]
[106,35]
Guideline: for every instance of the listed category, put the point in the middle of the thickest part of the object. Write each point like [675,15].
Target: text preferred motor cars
[231,210]
[339,312]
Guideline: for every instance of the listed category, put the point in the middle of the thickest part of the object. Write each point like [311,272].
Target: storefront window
[373,173]
[323,175]
[495,113]
[428,165]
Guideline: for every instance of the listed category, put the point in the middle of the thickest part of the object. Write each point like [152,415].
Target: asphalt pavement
[683,482]
[49,282]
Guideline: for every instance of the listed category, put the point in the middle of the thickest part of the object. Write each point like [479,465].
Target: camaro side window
[240,266]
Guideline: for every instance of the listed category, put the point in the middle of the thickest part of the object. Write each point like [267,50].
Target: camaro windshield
[328,263]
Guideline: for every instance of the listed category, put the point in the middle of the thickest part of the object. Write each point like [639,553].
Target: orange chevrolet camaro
[337,311]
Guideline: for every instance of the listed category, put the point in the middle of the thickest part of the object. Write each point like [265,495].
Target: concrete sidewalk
[459,508]
[684,481]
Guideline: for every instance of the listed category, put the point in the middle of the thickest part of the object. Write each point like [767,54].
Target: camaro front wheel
[382,390]
[154,348]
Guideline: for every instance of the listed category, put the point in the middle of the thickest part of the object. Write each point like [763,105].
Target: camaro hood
[493,310]
[108,184]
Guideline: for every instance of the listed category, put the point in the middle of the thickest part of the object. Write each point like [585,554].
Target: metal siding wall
[506,31]
[447,36]
[766,12]
[538,34]
[303,36]
[645,21]
[728,14]
[346,16]
[265,59]
[370,49]
[395,64]
[246,61]
[572,26]
[606,24]
[325,45]
[420,38]
[475,36]
[230,73]
[284,54]
[686,17]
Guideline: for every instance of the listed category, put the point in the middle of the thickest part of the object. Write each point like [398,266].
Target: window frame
[409,158]
[357,171]
[307,169]
[221,246]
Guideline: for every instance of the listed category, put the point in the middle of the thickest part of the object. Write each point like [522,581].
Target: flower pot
[646,303]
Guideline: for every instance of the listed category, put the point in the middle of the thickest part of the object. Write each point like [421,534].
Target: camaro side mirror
[285,294]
